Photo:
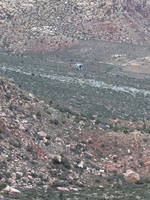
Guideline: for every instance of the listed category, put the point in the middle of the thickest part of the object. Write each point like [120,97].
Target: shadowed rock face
[48,24]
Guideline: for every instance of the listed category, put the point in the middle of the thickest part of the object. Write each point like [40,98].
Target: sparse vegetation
[15,142]
[54,121]
[66,162]
[2,186]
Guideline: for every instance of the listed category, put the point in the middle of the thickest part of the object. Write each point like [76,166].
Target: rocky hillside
[42,25]
[41,146]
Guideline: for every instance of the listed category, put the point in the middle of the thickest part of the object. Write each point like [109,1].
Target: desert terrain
[74,99]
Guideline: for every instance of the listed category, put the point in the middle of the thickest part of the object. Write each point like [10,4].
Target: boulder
[131,177]
[11,190]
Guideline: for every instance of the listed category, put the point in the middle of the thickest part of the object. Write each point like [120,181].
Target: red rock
[112,167]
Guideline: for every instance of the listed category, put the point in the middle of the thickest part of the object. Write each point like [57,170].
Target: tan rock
[42,134]
[55,157]
[131,176]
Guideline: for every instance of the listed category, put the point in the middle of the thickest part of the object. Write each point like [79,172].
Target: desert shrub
[15,142]
[2,186]
[66,162]
[54,121]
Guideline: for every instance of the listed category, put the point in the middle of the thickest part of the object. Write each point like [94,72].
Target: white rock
[129,151]
[64,189]
[101,170]
[74,189]
[81,164]
[31,95]
[19,173]
[21,127]
[11,190]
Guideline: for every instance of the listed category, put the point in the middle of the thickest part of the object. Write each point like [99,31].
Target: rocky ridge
[45,25]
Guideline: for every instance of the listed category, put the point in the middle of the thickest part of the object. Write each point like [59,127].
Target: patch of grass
[65,110]
[4,133]
[147,130]
[3,165]
[88,115]
[123,129]
[98,121]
